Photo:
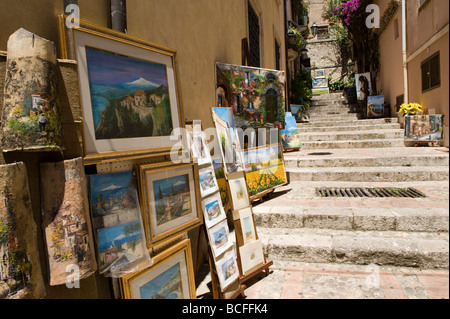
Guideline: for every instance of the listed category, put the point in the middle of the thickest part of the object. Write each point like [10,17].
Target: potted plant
[295,39]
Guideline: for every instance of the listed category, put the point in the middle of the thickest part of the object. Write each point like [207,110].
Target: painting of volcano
[129,97]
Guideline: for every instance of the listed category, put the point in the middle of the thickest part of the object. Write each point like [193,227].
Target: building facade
[421,74]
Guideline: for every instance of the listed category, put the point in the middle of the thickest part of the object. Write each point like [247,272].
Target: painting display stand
[238,206]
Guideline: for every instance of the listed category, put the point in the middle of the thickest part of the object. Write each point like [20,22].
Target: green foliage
[339,85]
[301,88]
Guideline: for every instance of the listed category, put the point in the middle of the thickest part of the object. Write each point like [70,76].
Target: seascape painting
[227,269]
[375,106]
[172,198]
[129,97]
[120,246]
[113,198]
[208,182]
[290,136]
[167,285]
[219,238]
[213,210]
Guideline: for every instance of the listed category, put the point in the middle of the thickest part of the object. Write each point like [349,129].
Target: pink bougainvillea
[346,11]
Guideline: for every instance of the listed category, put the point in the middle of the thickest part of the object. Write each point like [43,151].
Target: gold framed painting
[170,277]
[128,91]
[171,200]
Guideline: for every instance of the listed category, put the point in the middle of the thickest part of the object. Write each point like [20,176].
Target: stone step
[378,127]
[406,249]
[327,97]
[320,123]
[390,159]
[333,117]
[348,135]
[369,174]
[378,143]
[353,218]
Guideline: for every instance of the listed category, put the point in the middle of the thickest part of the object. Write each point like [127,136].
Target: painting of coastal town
[167,285]
[129,97]
[116,219]
[121,247]
[172,198]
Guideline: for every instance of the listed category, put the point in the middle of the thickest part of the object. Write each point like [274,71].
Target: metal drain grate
[369,192]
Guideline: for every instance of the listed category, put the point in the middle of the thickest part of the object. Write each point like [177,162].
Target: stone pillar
[31,115]
[21,270]
[66,220]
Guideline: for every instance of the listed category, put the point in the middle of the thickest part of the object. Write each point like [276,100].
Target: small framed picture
[219,238]
[238,190]
[227,269]
[208,181]
[172,200]
[200,150]
[170,277]
[247,225]
[252,255]
[320,73]
[213,210]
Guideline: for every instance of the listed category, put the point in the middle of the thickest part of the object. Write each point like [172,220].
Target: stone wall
[325,54]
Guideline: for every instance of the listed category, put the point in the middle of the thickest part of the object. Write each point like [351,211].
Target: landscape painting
[113,199]
[247,224]
[208,182]
[219,237]
[171,200]
[129,97]
[165,286]
[264,169]
[213,210]
[121,247]
[170,277]
[227,269]
[290,136]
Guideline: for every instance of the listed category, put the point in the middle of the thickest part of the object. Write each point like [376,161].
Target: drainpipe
[119,15]
[404,53]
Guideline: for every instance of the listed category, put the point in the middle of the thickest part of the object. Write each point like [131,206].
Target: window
[277,56]
[253,30]
[396,31]
[431,73]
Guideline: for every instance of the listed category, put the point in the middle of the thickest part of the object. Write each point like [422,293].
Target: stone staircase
[341,151]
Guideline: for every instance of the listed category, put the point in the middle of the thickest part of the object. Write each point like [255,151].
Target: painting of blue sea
[167,285]
[172,198]
[129,96]
[113,193]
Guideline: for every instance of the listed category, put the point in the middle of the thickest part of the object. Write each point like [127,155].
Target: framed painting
[424,127]
[128,91]
[172,200]
[321,82]
[227,269]
[170,277]
[117,222]
[213,210]
[264,169]
[247,225]
[200,150]
[208,181]
[319,73]
[228,138]
[252,255]
[375,106]
[238,190]
[219,238]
